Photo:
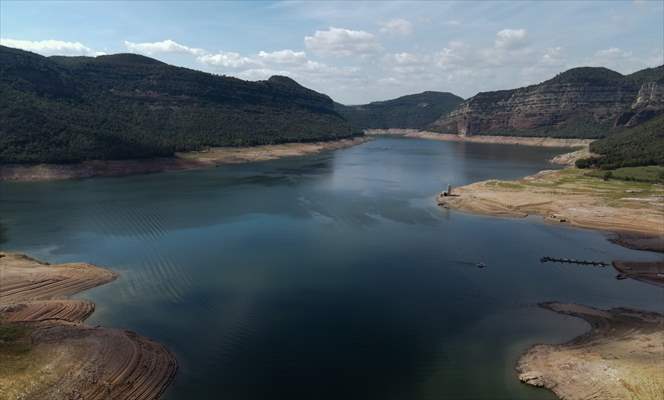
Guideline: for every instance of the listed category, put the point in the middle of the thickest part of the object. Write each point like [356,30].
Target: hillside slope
[582,102]
[412,111]
[630,147]
[69,109]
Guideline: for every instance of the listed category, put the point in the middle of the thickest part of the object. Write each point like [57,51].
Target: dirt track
[65,358]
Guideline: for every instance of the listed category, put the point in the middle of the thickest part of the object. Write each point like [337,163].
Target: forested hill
[630,147]
[412,111]
[68,109]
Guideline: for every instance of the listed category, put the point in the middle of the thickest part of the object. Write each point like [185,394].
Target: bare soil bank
[569,196]
[525,141]
[621,357]
[48,353]
[181,161]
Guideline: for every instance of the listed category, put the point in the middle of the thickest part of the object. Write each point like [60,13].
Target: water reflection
[333,276]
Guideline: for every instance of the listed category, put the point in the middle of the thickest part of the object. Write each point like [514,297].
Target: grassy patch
[578,181]
[649,174]
[14,339]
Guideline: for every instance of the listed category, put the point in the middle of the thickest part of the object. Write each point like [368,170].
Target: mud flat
[621,357]
[569,196]
[48,353]
[518,140]
[181,161]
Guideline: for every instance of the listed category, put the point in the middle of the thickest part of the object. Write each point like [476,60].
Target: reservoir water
[333,276]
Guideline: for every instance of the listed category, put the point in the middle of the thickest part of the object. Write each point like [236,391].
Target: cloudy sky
[355,51]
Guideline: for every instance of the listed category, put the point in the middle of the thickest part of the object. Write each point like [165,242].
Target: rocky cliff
[649,103]
[581,102]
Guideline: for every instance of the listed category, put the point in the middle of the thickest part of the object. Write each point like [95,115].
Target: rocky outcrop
[581,102]
[649,103]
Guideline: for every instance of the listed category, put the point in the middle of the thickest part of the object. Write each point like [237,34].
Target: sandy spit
[181,161]
[66,359]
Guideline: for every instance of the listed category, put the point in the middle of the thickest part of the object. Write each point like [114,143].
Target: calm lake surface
[326,277]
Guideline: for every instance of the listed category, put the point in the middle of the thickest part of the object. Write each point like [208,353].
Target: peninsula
[46,350]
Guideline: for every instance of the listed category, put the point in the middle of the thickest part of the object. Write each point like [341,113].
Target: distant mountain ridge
[581,102]
[411,111]
[69,109]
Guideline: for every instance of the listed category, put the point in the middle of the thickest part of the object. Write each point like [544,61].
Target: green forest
[412,111]
[69,109]
[629,147]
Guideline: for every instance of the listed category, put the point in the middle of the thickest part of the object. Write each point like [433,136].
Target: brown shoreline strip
[543,141]
[181,161]
[66,359]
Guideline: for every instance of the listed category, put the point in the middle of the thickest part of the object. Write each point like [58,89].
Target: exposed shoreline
[181,161]
[569,197]
[514,140]
[53,355]
[621,357]
[622,354]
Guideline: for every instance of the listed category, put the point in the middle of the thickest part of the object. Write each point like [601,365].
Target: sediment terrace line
[45,310]
[68,360]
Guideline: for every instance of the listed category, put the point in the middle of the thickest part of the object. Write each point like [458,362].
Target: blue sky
[355,51]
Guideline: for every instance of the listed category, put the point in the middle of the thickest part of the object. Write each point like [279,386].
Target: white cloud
[552,56]
[397,26]
[511,39]
[613,53]
[389,81]
[454,55]
[227,59]
[617,59]
[51,47]
[406,58]
[165,46]
[254,74]
[284,56]
[342,42]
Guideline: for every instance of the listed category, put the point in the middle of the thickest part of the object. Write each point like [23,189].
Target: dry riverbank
[181,161]
[621,357]
[568,196]
[517,140]
[623,354]
[48,353]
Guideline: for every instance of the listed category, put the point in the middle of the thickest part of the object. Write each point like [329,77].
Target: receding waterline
[330,276]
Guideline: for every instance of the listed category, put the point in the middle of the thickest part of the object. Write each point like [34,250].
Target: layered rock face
[649,103]
[582,102]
